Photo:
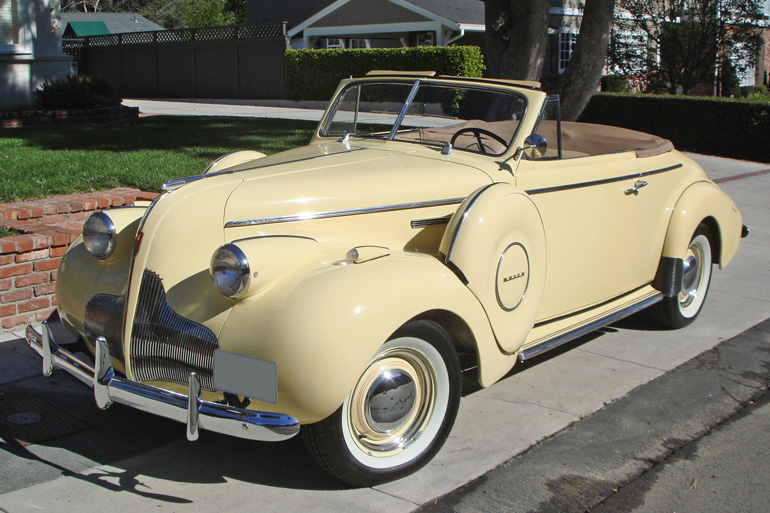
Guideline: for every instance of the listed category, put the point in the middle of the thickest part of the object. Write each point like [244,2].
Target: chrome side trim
[464,214]
[552,343]
[340,213]
[109,389]
[580,185]
[422,223]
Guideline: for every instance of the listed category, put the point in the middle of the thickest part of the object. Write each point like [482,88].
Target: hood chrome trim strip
[340,213]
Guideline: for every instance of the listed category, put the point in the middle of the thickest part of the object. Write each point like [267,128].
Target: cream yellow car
[333,289]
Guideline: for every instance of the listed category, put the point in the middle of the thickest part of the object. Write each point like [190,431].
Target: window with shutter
[9,23]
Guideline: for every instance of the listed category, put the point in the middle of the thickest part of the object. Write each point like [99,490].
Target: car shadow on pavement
[127,446]
[53,424]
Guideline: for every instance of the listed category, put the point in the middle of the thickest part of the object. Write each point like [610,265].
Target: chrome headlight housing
[230,271]
[99,235]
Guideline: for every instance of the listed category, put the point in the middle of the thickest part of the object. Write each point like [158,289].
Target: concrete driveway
[130,462]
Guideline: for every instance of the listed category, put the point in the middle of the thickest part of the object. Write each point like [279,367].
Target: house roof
[293,13]
[88,28]
[456,15]
[470,12]
[115,22]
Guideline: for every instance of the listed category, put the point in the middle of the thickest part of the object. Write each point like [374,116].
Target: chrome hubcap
[692,276]
[390,401]
[393,402]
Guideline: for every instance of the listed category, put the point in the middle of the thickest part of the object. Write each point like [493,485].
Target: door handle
[635,189]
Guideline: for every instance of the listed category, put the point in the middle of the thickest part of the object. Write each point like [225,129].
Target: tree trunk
[581,78]
[516,37]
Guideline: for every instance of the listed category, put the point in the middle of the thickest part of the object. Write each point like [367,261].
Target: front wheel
[679,311]
[399,413]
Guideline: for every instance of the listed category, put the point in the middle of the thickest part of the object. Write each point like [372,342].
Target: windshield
[471,119]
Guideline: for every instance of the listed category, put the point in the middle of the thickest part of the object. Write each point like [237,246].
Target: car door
[592,228]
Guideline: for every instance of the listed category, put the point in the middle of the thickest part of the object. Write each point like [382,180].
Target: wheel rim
[392,402]
[697,271]
[398,405]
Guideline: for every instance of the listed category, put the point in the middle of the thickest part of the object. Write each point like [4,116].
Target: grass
[41,161]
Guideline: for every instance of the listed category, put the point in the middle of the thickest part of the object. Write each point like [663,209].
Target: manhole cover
[27,419]
[24,418]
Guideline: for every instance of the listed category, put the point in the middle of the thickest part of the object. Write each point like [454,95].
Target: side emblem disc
[512,277]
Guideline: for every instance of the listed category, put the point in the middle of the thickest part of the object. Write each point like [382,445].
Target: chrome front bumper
[188,409]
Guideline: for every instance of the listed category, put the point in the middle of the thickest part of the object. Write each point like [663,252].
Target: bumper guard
[188,409]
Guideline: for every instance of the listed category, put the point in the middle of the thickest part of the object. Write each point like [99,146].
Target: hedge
[714,126]
[315,74]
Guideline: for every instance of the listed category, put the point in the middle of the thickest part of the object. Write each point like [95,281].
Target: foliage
[83,92]
[205,13]
[167,13]
[715,126]
[677,43]
[614,84]
[729,85]
[315,74]
[758,92]
[41,161]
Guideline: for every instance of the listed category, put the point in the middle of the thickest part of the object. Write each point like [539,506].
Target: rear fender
[704,201]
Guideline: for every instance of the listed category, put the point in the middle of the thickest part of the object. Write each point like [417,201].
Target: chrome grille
[164,345]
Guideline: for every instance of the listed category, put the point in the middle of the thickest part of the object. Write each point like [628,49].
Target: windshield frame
[416,84]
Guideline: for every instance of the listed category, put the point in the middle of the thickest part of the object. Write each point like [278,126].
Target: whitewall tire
[398,414]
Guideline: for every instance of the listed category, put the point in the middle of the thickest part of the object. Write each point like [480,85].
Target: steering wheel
[478,132]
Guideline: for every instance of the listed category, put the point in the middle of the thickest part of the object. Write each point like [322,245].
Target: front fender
[703,201]
[324,329]
[81,275]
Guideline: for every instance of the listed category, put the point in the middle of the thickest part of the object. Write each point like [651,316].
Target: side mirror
[534,147]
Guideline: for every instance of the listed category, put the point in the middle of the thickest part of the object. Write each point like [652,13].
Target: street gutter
[579,467]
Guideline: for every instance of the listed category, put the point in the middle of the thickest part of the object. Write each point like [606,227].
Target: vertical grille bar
[164,345]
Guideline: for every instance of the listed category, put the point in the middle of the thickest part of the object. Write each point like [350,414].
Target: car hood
[335,178]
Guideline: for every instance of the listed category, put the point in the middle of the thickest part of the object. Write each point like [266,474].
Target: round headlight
[230,271]
[99,235]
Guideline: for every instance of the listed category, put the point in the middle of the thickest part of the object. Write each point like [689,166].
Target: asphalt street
[624,419]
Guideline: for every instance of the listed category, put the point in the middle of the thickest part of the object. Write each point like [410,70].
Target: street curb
[578,467]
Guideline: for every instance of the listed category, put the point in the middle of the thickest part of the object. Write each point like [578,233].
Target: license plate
[246,376]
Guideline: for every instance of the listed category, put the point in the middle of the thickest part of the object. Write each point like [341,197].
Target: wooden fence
[238,62]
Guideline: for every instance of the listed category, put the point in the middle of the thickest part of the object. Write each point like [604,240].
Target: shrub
[755,91]
[315,74]
[714,126]
[82,92]
[728,79]
[614,84]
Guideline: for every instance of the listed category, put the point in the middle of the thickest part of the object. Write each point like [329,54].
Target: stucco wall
[36,58]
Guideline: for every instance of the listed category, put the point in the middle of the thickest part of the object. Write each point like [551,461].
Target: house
[375,23]
[398,23]
[76,25]
[293,13]
[30,50]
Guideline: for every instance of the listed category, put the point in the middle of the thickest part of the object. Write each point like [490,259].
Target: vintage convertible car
[339,286]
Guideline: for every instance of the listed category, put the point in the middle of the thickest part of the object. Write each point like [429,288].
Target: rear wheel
[679,311]
[399,413]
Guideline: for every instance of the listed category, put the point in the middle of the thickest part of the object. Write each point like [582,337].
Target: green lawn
[41,161]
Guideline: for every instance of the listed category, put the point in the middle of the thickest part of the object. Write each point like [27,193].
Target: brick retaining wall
[29,261]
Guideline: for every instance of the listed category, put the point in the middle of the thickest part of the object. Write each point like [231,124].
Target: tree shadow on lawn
[174,133]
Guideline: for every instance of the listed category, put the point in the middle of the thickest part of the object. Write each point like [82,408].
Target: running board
[546,345]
